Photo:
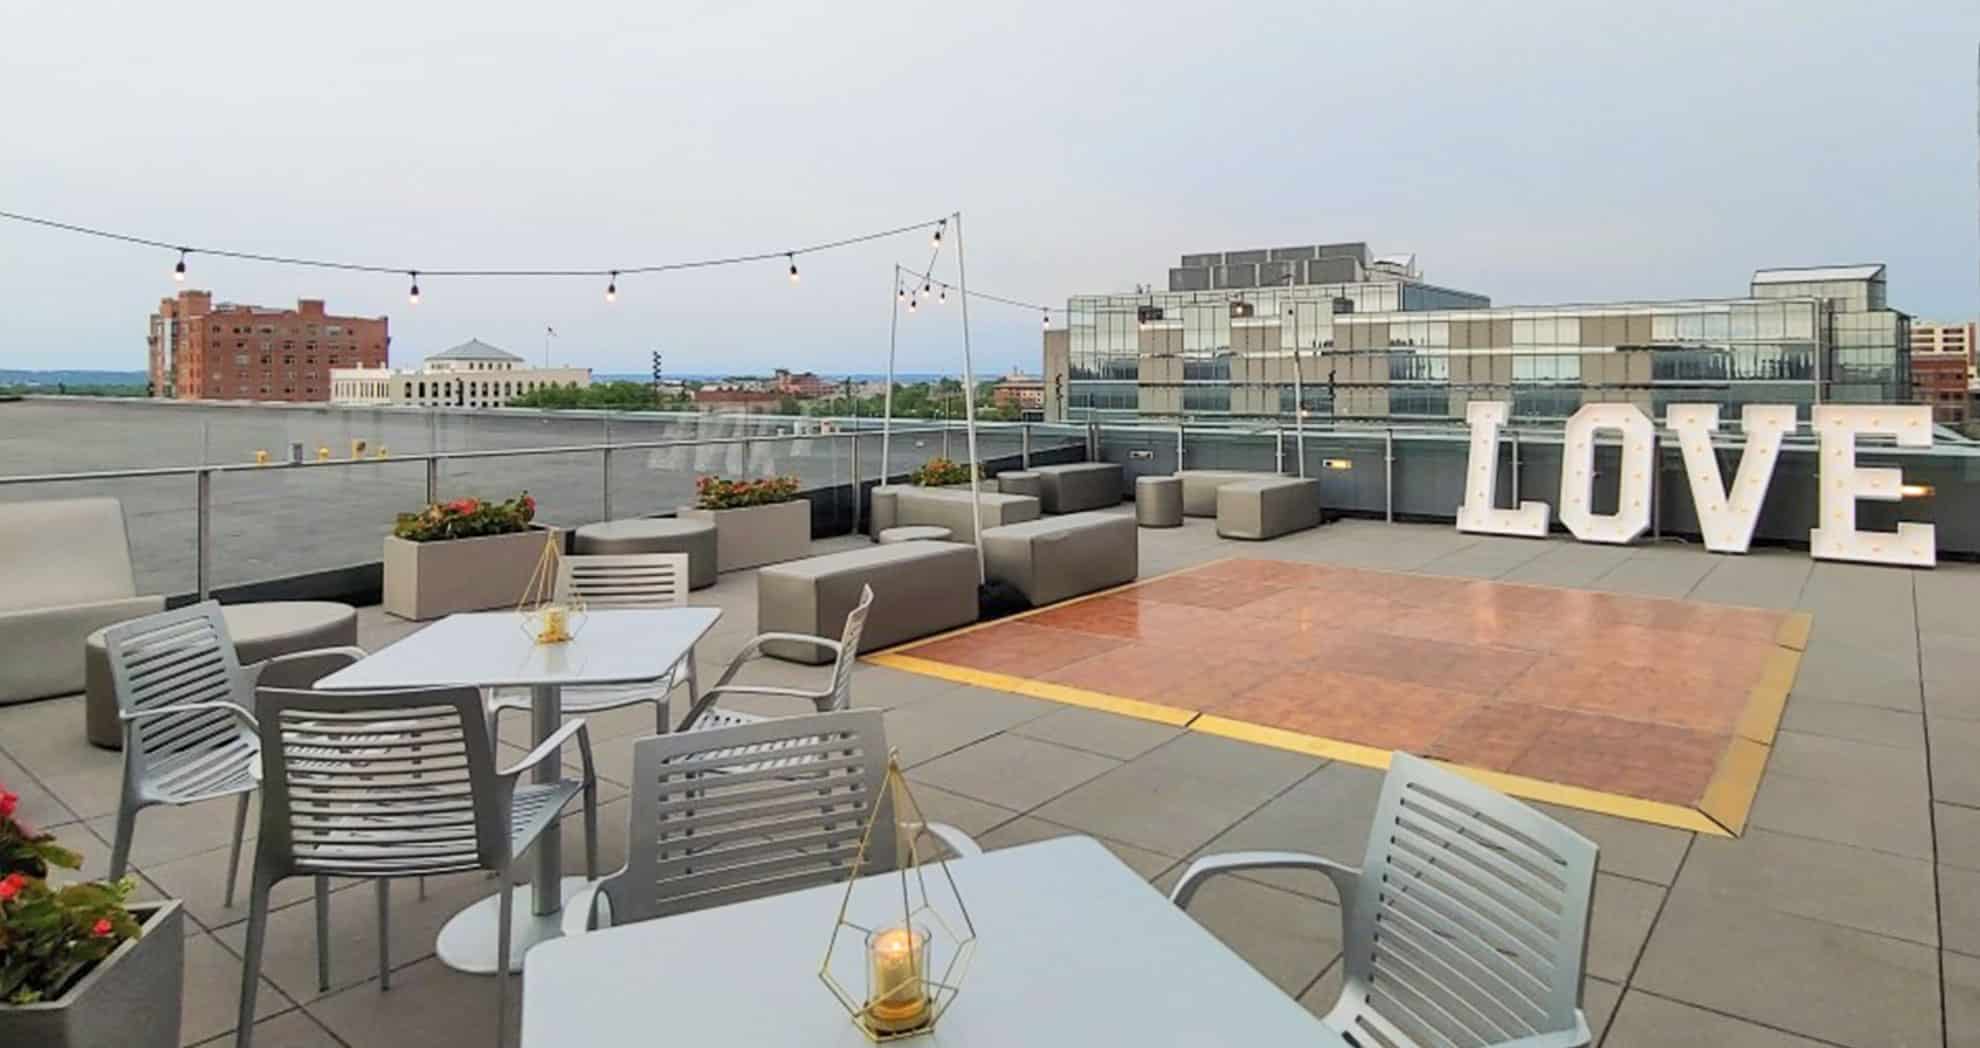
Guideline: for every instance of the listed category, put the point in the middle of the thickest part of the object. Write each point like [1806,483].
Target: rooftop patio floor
[1846,912]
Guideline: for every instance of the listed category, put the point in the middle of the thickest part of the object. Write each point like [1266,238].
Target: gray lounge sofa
[919,588]
[1056,558]
[65,571]
[1079,486]
[1200,487]
[950,508]
[1267,508]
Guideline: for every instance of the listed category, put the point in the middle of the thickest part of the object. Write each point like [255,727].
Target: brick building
[804,385]
[1017,389]
[203,351]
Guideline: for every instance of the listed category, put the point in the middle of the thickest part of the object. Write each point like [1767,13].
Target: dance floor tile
[1628,697]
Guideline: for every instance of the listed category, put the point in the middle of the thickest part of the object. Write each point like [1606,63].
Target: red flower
[529,504]
[11,886]
[101,928]
[467,505]
[8,802]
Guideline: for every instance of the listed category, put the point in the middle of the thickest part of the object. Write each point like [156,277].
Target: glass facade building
[1228,339]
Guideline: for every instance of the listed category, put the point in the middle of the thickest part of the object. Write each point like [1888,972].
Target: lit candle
[896,1000]
[556,625]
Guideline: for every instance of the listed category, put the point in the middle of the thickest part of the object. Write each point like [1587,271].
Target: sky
[1536,152]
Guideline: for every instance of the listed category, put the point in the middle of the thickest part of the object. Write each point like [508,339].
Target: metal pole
[855,476]
[1389,475]
[1514,434]
[1179,445]
[432,481]
[1024,445]
[969,403]
[605,471]
[887,423]
[1656,490]
[1279,450]
[1299,414]
[203,556]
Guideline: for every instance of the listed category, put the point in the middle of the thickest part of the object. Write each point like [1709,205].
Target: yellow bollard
[382,453]
[322,454]
[261,456]
[357,449]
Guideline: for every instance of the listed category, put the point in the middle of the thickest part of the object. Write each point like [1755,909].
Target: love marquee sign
[1726,514]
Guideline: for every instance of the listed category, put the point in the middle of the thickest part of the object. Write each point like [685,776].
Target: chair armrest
[959,842]
[191,707]
[709,695]
[341,656]
[754,649]
[1346,878]
[550,746]
[583,910]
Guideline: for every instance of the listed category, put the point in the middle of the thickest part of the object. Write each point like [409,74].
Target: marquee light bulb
[936,240]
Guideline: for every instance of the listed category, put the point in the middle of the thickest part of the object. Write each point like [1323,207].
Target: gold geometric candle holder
[547,617]
[915,959]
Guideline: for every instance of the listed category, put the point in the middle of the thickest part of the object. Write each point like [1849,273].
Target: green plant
[939,472]
[50,936]
[713,492]
[465,519]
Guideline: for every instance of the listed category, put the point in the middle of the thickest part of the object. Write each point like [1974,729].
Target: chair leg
[591,830]
[257,930]
[120,846]
[503,931]
[234,852]
[384,933]
[322,933]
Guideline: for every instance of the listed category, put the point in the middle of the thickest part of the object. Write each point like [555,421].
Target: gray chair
[626,580]
[1467,924]
[710,828]
[414,793]
[836,695]
[187,710]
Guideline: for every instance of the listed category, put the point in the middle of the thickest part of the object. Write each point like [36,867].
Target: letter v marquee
[1727,517]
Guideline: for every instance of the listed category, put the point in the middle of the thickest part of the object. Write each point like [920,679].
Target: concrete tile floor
[1848,915]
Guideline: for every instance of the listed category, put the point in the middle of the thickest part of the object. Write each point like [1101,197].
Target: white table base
[467,943]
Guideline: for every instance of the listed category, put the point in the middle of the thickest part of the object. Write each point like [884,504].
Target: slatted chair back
[1470,923]
[842,667]
[378,784]
[179,658]
[625,580]
[712,823]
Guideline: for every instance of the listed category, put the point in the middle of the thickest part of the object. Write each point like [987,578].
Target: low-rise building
[1019,390]
[732,396]
[803,385]
[200,350]
[473,374]
[1942,368]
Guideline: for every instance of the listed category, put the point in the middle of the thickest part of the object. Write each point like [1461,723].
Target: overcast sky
[1533,151]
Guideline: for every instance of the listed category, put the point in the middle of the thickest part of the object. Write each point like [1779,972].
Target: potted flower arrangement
[760,521]
[77,967]
[939,472]
[463,555]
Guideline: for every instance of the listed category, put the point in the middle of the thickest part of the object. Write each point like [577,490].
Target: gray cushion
[1020,482]
[1200,488]
[915,533]
[1158,502]
[1059,557]
[67,566]
[950,508]
[1264,509]
[1079,486]
[919,588]
[696,538]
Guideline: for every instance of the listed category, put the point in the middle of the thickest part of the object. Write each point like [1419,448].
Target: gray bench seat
[950,508]
[1078,486]
[1199,487]
[919,588]
[1267,508]
[1056,558]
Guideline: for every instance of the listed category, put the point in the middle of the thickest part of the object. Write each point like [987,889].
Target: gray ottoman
[919,588]
[1266,509]
[915,533]
[696,538]
[953,508]
[259,631]
[1079,486]
[1021,482]
[1055,558]
[1158,502]
[1200,487]
[885,507]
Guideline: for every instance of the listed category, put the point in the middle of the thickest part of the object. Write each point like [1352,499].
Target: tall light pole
[1299,398]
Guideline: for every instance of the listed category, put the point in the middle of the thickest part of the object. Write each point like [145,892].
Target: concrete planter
[131,999]
[757,535]
[425,580]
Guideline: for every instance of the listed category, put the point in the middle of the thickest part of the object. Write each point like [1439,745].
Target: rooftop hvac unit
[1240,258]
[1295,254]
[1229,276]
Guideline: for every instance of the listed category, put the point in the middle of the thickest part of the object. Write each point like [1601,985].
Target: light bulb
[612,289]
[179,271]
[1046,320]
[936,240]
[943,295]
[900,293]
[911,304]
[793,261]
[412,296]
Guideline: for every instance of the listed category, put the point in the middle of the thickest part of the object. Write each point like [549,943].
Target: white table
[492,649]
[1073,948]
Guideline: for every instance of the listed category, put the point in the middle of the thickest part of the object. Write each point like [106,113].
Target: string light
[900,292]
[612,289]
[413,295]
[793,261]
[911,304]
[179,271]
[1046,320]
[943,295]
[936,240]
[925,289]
